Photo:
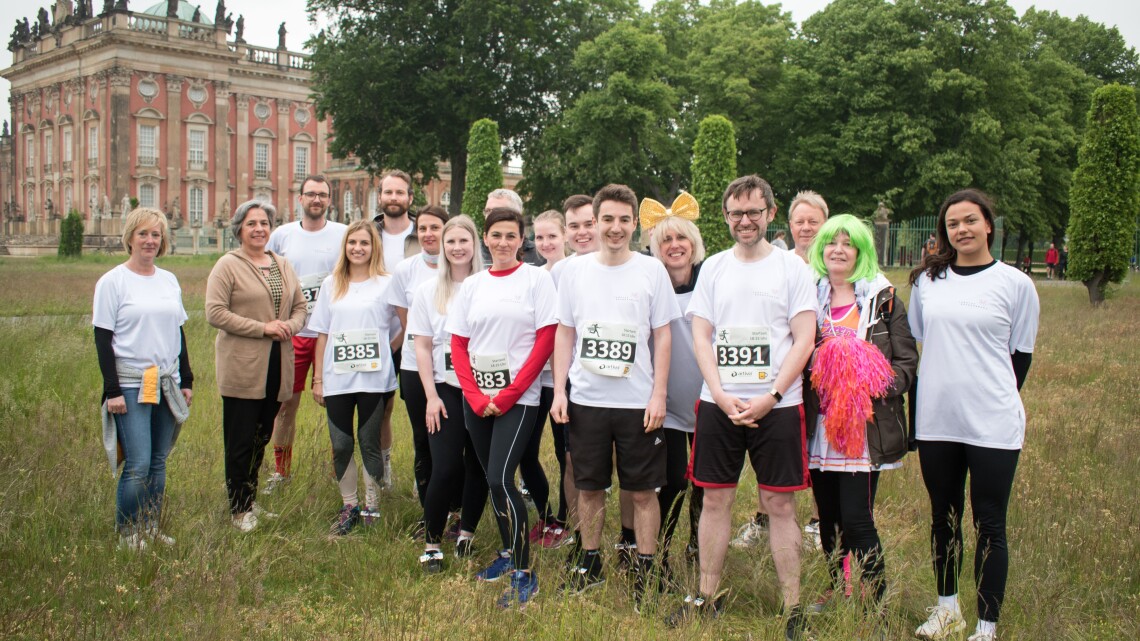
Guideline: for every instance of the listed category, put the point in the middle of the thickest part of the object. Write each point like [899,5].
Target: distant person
[930,247]
[254,299]
[147,382]
[966,307]
[778,242]
[1063,262]
[1052,258]
[1027,263]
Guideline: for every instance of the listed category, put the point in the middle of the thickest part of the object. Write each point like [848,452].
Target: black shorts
[777,449]
[597,433]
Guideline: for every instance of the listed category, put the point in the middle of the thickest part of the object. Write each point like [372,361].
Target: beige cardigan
[239,304]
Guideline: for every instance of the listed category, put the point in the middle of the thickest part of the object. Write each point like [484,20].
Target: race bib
[492,372]
[608,349]
[449,376]
[356,350]
[743,354]
[310,287]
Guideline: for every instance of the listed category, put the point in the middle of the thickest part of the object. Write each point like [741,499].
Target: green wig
[866,263]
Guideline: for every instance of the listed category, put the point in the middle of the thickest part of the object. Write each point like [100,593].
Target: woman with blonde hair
[147,382]
[357,374]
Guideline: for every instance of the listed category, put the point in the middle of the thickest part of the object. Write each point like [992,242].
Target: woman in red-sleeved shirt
[502,326]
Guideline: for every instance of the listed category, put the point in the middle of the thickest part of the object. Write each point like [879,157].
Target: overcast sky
[262,19]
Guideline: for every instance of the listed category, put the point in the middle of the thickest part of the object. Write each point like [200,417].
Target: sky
[262,19]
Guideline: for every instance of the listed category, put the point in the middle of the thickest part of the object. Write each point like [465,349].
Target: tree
[484,168]
[404,81]
[714,166]
[1105,196]
[71,235]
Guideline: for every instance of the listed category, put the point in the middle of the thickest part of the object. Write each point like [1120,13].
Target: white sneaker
[982,636]
[749,535]
[943,623]
[245,522]
[154,535]
[133,542]
[811,534]
[272,483]
[256,510]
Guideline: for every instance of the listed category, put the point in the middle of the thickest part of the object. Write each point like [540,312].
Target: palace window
[196,148]
[147,195]
[261,160]
[196,199]
[300,162]
[92,144]
[148,152]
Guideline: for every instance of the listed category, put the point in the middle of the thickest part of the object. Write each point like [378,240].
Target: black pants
[558,433]
[672,494]
[454,464]
[415,402]
[846,502]
[944,469]
[247,426]
[369,410]
[499,443]
[531,469]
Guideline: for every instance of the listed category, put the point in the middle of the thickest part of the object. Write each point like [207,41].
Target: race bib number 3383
[743,354]
[356,350]
[492,372]
[608,349]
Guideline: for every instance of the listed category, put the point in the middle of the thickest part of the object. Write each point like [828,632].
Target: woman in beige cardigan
[254,299]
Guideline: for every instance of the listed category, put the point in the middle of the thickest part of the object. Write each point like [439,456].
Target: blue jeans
[146,433]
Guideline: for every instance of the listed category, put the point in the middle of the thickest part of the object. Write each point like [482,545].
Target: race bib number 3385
[356,350]
[743,354]
[608,349]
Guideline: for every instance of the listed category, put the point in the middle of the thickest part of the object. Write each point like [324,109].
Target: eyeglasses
[316,194]
[754,215]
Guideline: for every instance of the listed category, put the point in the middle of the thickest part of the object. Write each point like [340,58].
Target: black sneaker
[697,608]
[648,582]
[626,555]
[347,519]
[432,561]
[796,626]
[574,554]
[588,574]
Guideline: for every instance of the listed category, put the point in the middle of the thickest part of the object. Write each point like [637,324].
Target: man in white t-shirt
[397,233]
[753,314]
[618,387]
[311,245]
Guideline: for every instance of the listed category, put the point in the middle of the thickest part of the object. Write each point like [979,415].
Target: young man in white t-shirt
[394,223]
[311,245]
[753,314]
[618,387]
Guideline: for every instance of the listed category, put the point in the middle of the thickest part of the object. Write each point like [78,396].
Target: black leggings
[558,432]
[531,469]
[672,495]
[247,425]
[453,464]
[499,443]
[944,469]
[415,402]
[369,410]
[846,502]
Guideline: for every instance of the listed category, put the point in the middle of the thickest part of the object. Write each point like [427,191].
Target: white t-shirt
[547,376]
[144,312]
[750,306]
[968,327]
[424,319]
[500,315]
[358,357]
[407,276]
[614,311]
[312,254]
[684,375]
[394,245]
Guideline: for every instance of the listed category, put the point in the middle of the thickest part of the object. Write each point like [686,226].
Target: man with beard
[311,245]
[753,314]
[394,222]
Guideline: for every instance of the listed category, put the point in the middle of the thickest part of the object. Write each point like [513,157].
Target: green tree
[714,166]
[484,168]
[404,81]
[71,235]
[1105,196]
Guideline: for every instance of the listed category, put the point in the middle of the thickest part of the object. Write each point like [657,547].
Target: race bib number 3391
[608,349]
[743,354]
[356,350]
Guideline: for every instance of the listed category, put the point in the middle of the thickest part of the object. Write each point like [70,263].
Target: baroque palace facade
[162,106]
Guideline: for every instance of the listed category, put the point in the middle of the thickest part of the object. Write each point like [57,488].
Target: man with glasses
[753,314]
[394,222]
[311,245]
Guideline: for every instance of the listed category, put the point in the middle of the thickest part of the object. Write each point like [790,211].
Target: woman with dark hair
[502,333]
[977,320]
[847,449]
[254,299]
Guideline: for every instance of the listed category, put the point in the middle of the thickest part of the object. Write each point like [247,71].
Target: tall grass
[1074,521]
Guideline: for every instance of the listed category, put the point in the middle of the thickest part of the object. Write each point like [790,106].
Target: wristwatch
[779,397]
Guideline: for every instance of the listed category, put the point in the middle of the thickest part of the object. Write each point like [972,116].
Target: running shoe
[452,532]
[695,608]
[348,518]
[500,567]
[369,516]
[982,636]
[464,546]
[387,482]
[626,555]
[134,542]
[275,481]
[260,513]
[153,533]
[693,555]
[536,532]
[523,588]
[751,533]
[587,574]
[246,522]
[432,561]
[796,627]
[555,537]
[822,603]
[811,533]
[943,623]
[648,582]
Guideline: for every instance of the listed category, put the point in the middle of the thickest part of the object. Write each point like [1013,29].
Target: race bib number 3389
[608,349]
[743,354]
[356,350]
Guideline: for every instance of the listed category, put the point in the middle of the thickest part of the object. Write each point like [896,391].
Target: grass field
[1074,518]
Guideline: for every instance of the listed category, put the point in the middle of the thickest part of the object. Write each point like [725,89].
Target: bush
[714,166]
[71,235]
[484,168]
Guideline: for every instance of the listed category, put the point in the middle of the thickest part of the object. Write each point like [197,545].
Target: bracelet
[318,381]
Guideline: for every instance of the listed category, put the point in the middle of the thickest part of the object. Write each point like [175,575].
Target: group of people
[668,368]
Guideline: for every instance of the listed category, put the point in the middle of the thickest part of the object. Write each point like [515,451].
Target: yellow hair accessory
[653,212]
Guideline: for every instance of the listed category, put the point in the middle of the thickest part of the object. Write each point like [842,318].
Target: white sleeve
[456,324]
[397,294]
[1024,316]
[178,290]
[563,307]
[321,319]
[419,316]
[801,290]
[914,311]
[701,303]
[105,309]
[275,240]
[663,306]
[545,298]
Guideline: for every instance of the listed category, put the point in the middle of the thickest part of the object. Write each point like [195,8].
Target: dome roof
[185,12]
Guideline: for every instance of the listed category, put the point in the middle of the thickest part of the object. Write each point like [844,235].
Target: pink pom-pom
[848,373]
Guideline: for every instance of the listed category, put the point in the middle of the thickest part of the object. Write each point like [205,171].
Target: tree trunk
[1096,286]
[458,162]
